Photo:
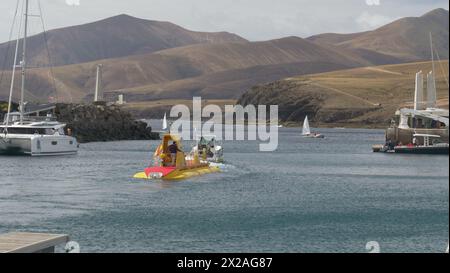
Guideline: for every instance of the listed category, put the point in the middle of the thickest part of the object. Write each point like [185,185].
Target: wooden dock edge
[24,242]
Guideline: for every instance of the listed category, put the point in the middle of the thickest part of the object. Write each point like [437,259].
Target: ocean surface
[311,195]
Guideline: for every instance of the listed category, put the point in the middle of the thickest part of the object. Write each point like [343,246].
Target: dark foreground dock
[20,242]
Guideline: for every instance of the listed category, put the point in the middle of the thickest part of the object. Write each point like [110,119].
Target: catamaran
[25,132]
[422,129]
[307,130]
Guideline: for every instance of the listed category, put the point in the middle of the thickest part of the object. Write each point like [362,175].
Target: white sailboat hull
[314,136]
[38,145]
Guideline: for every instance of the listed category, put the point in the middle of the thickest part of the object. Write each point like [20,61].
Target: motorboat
[208,149]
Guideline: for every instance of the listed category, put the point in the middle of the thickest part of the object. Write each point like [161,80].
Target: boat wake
[224,167]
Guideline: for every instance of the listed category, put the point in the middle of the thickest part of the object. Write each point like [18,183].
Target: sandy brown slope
[113,37]
[358,97]
[230,84]
[406,39]
[163,67]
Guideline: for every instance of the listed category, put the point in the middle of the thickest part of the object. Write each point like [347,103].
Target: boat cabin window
[422,123]
[26,131]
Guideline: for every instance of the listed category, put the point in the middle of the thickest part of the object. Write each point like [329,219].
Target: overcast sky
[252,19]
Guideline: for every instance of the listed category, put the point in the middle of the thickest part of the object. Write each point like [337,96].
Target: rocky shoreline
[99,123]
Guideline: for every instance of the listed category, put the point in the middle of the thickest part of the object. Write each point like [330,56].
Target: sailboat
[26,132]
[164,124]
[164,127]
[307,130]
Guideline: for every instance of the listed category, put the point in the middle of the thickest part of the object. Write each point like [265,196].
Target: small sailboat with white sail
[164,123]
[164,127]
[307,130]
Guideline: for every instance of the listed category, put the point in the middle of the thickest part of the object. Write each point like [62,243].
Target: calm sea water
[331,195]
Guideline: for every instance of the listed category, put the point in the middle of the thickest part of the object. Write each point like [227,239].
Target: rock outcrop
[91,123]
[293,107]
[297,99]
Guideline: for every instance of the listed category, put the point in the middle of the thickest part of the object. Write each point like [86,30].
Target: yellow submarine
[185,166]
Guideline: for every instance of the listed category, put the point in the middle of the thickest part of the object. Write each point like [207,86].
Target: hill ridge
[118,36]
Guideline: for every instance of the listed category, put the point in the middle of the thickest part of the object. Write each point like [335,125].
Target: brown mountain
[229,84]
[210,65]
[114,37]
[196,69]
[406,39]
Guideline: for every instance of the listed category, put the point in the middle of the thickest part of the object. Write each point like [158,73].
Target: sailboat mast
[432,54]
[13,75]
[24,63]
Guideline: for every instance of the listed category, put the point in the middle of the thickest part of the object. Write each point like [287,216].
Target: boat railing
[13,118]
[38,118]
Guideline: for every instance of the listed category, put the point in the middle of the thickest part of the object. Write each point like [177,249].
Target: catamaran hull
[15,146]
[38,145]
